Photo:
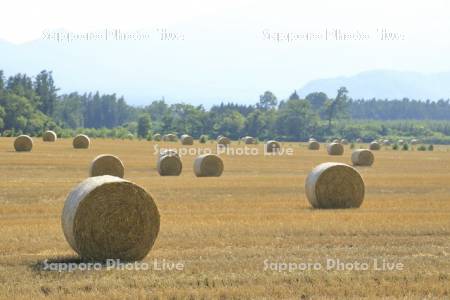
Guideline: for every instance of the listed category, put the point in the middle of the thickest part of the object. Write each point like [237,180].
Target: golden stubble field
[224,229]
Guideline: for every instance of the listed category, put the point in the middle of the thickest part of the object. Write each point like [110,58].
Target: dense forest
[32,104]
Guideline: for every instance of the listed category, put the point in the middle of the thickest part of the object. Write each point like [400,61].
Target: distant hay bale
[170,137]
[344,142]
[311,139]
[386,142]
[313,145]
[208,165]
[337,141]
[157,137]
[81,141]
[223,141]
[374,146]
[359,140]
[335,149]
[401,142]
[362,157]
[248,140]
[23,143]
[334,185]
[49,136]
[187,140]
[107,164]
[106,217]
[414,142]
[272,146]
[130,136]
[169,165]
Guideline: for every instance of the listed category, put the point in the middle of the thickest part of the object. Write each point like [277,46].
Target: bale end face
[374,146]
[335,149]
[334,185]
[23,143]
[223,141]
[81,141]
[208,165]
[313,145]
[187,140]
[107,164]
[272,147]
[362,157]
[169,165]
[49,136]
[107,217]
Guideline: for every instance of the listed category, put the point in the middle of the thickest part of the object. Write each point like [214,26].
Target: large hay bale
[157,137]
[334,185]
[169,165]
[81,141]
[335,149]
[248,140]
[313,145]
[223,141]
[374,146]
[187,140]
[272,146]
[106,217]
[208,165]
[49,136]
[362,157]
[23,143]
[107,164]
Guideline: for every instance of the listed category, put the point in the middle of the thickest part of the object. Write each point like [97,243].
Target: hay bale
[106,217]
[272,146]
[130,136]
[49,136]
[344,142]
[187,140]
[335,149]
[248,140]
[401,142]
[156,137]
[359,140]
[170,152]
[386,142]
[107,164]
[208,165]
[362,157]
[337,141]
[334,185]
[169,165]
[311,139]
[313,145]
[23,143]
[171,137]
[81,141]
[414,142]
[374,146]
[223,141]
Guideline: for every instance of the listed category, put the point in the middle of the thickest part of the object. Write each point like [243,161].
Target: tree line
[32,105]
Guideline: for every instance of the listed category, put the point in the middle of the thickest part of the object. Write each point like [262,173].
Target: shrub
[430,148]
[405,147]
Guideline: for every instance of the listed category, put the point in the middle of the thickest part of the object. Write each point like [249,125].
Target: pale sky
[224,54]
[24,20]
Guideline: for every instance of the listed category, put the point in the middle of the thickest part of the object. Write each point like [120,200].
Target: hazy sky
[227,39]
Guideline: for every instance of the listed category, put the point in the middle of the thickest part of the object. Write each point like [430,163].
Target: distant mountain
[382,84]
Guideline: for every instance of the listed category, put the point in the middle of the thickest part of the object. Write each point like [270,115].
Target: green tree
[317,100]
[144,125]
[45,88]
[296,120]
[294,96]
[267,101]
[336,108]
